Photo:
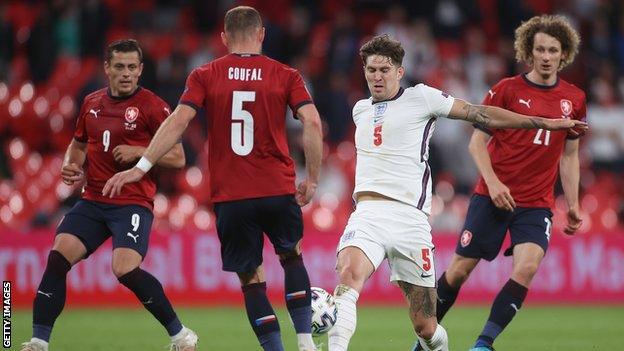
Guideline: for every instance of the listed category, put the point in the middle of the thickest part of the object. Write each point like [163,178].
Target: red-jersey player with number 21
[518,172]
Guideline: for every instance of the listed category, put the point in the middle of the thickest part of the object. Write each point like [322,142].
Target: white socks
[342,332]
[305,342]
[438,342]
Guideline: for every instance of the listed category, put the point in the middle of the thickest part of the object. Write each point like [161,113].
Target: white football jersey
[392,142]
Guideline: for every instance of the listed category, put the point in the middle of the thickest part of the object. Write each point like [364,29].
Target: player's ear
[400,72]
[140,68]
[261,34]
[224,39]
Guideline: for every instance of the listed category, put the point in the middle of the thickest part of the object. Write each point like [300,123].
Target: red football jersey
[106,121]
[245,98]
[527,160]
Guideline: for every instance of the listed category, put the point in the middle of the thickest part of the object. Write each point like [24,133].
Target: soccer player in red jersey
[245,95]
[518,172]
[114,127]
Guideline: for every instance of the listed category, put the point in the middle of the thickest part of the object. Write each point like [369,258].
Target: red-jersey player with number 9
[245,95]
[518,172]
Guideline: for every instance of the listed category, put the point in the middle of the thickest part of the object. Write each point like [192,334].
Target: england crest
[380,109]
[132,113]
[566,107]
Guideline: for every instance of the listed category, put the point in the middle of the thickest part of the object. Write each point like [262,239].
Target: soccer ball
[324,312]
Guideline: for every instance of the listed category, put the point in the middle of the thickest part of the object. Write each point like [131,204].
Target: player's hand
[575,126]
[501,196]
[128,153]
[71,173]
[113,186]
[305,192]
[574,221]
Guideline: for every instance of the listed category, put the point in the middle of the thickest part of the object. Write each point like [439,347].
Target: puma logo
[491,94]
[134,237]
[525,102]
[95,112]
[48,295]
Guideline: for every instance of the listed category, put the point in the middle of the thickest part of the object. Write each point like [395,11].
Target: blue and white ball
[324,312]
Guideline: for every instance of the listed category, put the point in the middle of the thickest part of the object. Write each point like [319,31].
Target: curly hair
[383,45]
[554,25]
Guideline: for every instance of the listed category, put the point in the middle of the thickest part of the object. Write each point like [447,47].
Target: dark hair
[123,45]
[383,45]
[556,26]
[242,19]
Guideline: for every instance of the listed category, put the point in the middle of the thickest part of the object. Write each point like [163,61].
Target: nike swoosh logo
[48,295]
[513,305]
[423,275]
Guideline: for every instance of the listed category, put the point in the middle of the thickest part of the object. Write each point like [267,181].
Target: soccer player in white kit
[393,189]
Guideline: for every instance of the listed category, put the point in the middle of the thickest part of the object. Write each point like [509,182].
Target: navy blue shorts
[240,225]
[486,226]
[94,222]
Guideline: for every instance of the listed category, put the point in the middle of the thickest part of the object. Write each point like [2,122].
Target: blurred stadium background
[51,57]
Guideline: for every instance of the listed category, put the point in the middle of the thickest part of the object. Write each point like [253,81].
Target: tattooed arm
[496,117]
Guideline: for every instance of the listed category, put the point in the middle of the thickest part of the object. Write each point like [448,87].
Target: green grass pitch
[379,328]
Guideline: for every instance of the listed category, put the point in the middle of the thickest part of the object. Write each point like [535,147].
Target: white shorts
[396,231]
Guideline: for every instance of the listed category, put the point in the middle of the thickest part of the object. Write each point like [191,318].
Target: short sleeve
[439,102]
[194,91]
[298,94]
[159,113]
[494,97]
[581,115]
[80,134]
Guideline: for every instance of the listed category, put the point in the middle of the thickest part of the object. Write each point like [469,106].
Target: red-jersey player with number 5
[245,96]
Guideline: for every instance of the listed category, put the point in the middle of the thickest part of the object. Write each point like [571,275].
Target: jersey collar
[398,95]
[539,86]
[244,54]
[110,95]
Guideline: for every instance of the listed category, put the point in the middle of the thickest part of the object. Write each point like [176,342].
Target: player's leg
[482,237]
[530,231]
[241,252]
[259,310]
[451,281]
[282,221]
[131,226]
[78,235]
[360,252]
[353,267]
[422,311]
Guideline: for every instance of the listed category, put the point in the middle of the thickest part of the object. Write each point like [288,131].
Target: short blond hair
[242,20]
[554,25]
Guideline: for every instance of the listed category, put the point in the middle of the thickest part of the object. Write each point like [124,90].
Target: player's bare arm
[569,174]
[499,192]
[166,136]
[313,150]
[71,171]
[496,117]
[131,154]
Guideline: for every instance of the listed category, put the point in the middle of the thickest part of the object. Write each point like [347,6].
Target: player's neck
[539,79]
[245,48]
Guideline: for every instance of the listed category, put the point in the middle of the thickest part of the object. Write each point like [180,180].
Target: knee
[349,275]
[290,257]
[425,328]
[121,268]
[456,275]
[524,272]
